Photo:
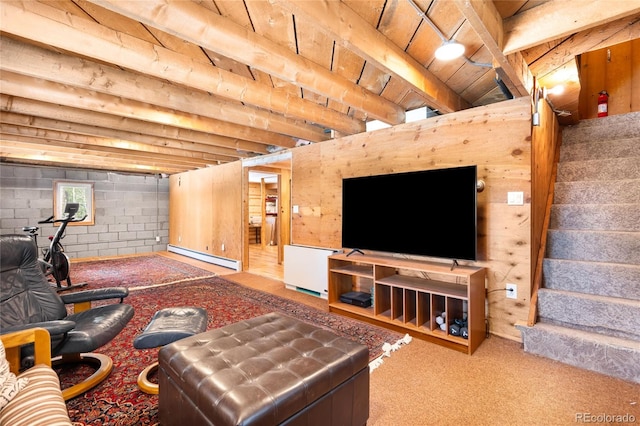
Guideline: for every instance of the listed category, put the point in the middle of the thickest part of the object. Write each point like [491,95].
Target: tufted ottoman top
[262,370]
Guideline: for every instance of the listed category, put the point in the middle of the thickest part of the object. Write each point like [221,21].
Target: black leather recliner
[27,300]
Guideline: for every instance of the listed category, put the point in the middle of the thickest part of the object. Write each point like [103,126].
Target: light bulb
[556,90]
[449,50]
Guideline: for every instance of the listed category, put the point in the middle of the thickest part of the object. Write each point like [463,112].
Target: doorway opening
[268,218]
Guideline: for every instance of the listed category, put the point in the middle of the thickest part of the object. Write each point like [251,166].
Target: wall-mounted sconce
[558,89]
[541,93]
[538,94]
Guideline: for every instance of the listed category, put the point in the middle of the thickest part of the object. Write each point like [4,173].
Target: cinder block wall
[130,210]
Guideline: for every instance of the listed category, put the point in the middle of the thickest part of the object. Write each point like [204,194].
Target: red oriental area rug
[117,401]
[137,271]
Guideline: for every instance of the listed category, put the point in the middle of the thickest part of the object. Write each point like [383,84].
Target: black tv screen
[429,213]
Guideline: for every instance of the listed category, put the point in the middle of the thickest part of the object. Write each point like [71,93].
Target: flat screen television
[429,213]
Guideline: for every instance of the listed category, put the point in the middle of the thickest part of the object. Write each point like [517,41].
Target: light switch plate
[515,198]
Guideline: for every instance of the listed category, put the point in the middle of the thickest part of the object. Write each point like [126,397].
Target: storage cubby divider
[410,295]
[423,311]
[397,309]
[410,304]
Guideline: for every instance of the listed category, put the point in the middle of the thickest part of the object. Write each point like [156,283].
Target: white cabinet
[306,269]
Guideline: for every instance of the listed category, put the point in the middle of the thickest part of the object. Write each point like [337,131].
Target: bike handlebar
[69,219]
[47,220]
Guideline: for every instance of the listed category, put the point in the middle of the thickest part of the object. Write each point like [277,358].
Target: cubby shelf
[410,294]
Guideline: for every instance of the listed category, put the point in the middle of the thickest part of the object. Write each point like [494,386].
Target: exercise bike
[54,261]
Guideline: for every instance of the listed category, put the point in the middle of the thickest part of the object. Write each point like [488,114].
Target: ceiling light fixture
[450,49]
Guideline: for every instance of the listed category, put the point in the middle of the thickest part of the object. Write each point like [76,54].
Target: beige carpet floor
[425,384]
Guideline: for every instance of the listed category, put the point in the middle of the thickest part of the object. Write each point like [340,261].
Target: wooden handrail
[537,276]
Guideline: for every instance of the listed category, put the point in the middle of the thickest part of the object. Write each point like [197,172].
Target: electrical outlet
[512,291]
[222,247]
[158,238]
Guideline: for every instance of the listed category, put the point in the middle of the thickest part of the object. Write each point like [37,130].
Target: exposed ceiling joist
[118,145]
[559,18]
[20,149]
[342,23]
[47,91]
[92,147]
[37,62]
[545,59]
[47,25]
[75,119]
[486,21]
[197,24]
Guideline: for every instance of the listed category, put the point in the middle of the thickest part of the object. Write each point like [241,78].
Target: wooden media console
[409,295]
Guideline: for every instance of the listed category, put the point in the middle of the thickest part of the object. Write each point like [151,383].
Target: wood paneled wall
[496,137]
[206,210]
[206,206]
[615,69]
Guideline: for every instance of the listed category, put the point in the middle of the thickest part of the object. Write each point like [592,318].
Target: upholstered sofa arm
[52,327]
[96,294]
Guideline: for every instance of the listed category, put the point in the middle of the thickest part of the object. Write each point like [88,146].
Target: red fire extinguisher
[603,104]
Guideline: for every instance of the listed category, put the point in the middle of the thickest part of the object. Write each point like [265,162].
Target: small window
[74,192]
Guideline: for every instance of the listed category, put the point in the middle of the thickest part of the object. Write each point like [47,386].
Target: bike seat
[30,229]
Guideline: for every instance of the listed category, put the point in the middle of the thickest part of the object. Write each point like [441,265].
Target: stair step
[603,217]
[589,306]
[613,316]
[594,246]
[608,355]
[597,170]
[595,150]
[603,129]
[598,192]
[605,279]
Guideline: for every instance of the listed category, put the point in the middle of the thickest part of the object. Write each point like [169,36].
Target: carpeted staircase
[589,306]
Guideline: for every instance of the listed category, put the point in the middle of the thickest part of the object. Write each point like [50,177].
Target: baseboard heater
[205,257]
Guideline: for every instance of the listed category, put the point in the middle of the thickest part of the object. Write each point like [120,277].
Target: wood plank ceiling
[153,86]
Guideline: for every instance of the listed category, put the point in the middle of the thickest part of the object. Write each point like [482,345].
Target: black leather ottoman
[166,326]
[267,370]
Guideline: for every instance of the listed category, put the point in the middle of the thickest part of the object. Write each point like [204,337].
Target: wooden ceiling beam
[115,154]
[620,31]
[45,155]
[33,108]
[560,18]
[114,143]
[47,25]
[46,91]
[34,61]
[28,158]
[193,22]
[340,22]
[487,23]
[40,123]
